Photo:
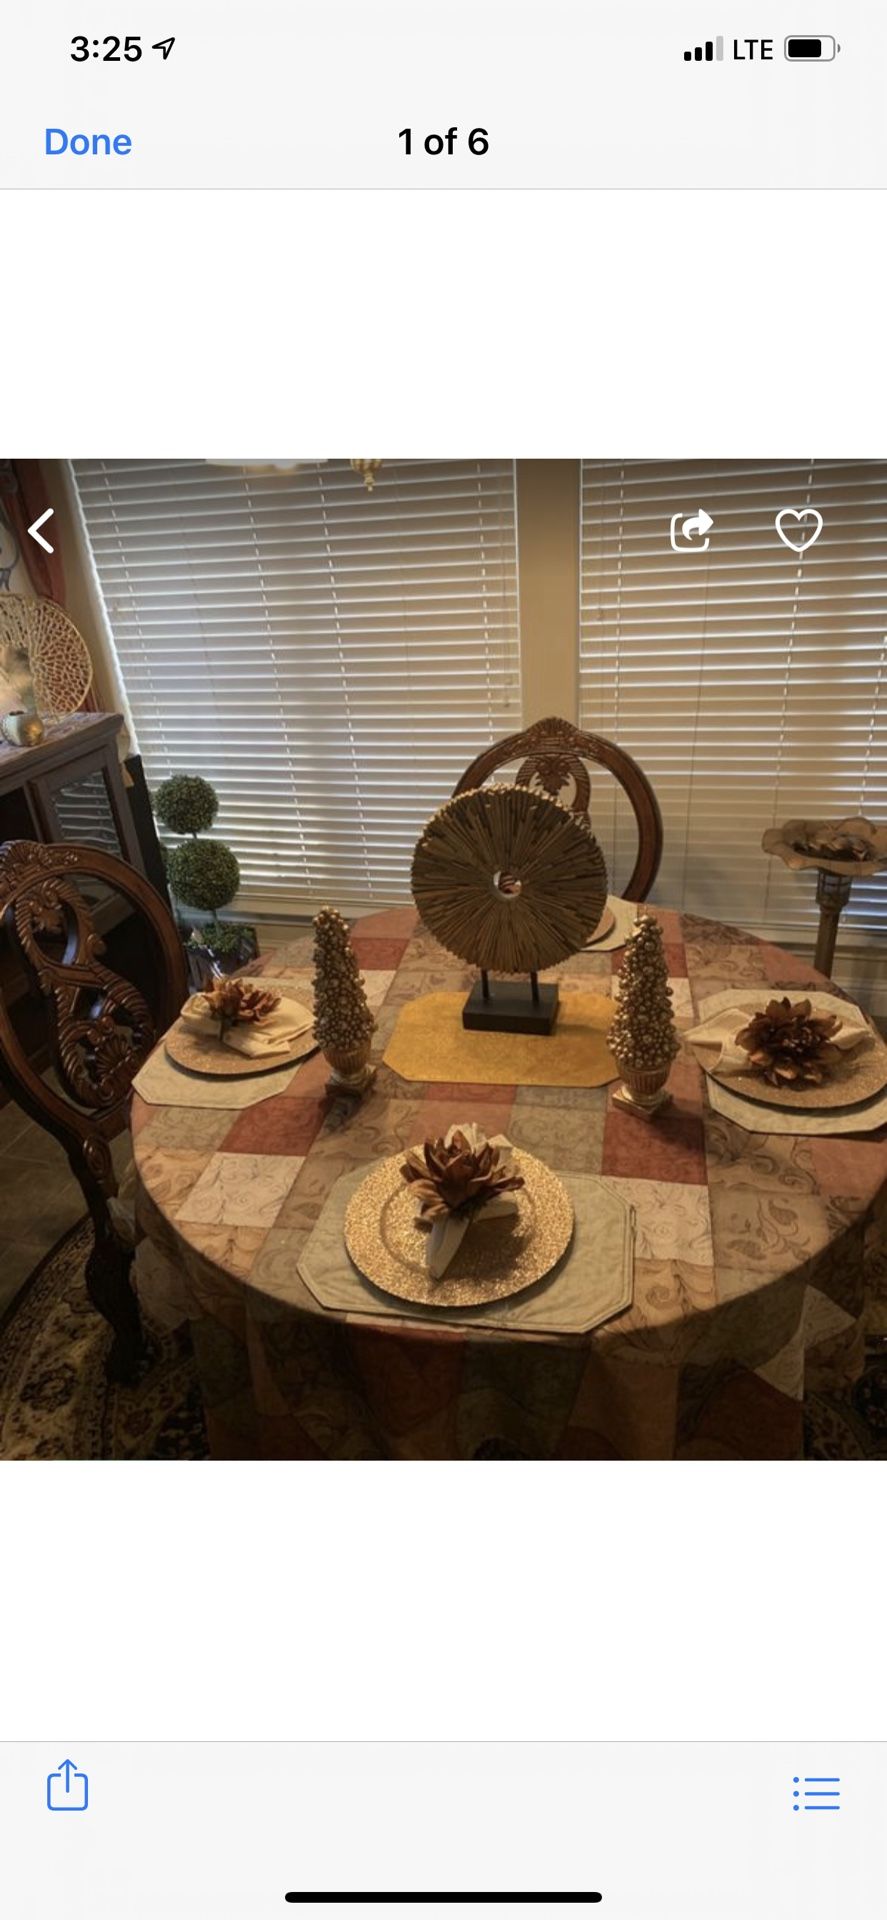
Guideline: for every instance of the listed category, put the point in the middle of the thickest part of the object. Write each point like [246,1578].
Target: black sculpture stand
[510,1006]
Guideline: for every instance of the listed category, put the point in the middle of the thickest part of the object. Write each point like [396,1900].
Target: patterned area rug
[55,1402]
[851,1426]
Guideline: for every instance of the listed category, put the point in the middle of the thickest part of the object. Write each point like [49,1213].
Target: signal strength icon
[712,50]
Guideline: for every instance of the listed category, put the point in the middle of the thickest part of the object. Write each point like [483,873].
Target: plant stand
[832,894]
[841,851]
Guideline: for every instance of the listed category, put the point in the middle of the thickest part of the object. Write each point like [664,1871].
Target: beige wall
[81,598]
[548,548]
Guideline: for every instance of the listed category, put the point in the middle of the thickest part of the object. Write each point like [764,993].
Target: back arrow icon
[34,530]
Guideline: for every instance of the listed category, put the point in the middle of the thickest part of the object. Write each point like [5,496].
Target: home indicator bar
[447,1899]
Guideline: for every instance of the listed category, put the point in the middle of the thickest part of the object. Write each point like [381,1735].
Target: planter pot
[351,1072]
[643,1089]
[207,963]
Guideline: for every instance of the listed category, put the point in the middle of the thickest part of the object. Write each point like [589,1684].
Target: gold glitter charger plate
[202,1053]
[856,1076]
[497,1258]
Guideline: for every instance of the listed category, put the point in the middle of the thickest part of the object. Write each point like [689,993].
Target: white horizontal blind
[749,681]
[331,659]
[85,816]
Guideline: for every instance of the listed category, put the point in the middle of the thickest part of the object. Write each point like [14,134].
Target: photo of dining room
[442,970]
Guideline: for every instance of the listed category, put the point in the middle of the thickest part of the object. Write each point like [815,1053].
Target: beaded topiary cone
[642,1038]
[343,1023]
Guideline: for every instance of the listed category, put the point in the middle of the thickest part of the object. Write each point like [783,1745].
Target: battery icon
[810,46]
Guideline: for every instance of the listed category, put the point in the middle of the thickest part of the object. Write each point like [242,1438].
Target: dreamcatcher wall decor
[40,645]
[511,882]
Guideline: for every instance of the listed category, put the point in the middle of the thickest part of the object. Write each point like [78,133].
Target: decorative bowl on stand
[841,851]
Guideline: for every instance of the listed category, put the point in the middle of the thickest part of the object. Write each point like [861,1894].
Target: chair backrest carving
[99,1026]
[554,756]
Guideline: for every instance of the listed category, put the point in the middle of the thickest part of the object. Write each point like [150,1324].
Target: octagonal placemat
[593,1282]
[430,1043]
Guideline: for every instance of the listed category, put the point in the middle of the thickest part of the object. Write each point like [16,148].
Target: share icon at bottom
[67,1790]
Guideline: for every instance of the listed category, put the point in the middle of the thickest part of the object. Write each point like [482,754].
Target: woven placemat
[593,1282]
[430,1043]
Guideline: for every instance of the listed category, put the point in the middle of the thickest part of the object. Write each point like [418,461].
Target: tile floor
[39,1197]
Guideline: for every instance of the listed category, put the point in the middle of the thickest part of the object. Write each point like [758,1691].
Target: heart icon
[805,526]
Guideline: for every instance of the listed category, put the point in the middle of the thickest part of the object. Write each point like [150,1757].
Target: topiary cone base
[351,1072]
[643,1090]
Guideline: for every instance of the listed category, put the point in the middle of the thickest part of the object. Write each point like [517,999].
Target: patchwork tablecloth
[753,1253]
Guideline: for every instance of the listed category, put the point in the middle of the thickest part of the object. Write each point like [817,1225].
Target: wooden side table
[70,787]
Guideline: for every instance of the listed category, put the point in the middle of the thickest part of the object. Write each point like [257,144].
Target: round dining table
[754,1251]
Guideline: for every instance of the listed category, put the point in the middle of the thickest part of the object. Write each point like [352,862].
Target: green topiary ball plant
[203,874]
[186,804]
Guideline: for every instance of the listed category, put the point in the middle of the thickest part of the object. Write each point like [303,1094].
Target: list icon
[816,1793]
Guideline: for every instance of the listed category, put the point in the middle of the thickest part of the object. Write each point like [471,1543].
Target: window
[749,681]
[330,658]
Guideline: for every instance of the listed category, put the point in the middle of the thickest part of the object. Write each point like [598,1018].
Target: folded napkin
[446,1236]
[720,1030]
[259,1039]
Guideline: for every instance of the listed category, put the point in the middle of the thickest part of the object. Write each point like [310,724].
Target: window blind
[330,658]
[749,681]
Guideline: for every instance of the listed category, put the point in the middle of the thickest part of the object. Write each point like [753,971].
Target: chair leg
[109,1289]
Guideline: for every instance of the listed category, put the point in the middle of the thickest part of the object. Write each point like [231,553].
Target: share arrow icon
[67,1790]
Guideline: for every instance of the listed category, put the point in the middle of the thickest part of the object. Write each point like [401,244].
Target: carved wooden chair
[99,1029]
[553,755]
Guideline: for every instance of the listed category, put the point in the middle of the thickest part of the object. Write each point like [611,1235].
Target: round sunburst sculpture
[509,880]
[56,653]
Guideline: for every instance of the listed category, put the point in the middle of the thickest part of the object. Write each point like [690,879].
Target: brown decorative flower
[854,846]
[457,1178]
[835,845]
[790,1044]
[235,1003]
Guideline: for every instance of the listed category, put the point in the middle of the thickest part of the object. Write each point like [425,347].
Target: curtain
[24,497]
